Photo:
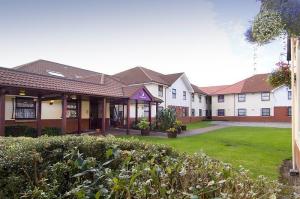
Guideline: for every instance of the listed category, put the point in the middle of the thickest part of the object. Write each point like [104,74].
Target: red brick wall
[280,115]
[71,124]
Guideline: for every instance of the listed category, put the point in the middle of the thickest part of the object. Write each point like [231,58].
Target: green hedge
[95,167]
[25,131]
[20,130]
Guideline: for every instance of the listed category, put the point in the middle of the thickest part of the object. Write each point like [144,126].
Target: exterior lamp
[22,92]
[51,102]
[73,97]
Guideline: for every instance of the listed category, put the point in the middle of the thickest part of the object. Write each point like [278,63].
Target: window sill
[25,120]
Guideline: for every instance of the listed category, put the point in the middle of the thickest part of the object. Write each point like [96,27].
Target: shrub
[167,118]
[96,167]
[143,124]
[20,130]
[51,131]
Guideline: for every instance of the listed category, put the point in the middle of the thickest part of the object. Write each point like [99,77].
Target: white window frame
[242,109]
[262,112]
[265,98]
[242,97]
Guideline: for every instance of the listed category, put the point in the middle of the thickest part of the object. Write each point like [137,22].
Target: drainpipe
[234,104]
[166,97]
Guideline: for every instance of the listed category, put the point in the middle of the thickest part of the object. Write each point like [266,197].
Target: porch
[72,113]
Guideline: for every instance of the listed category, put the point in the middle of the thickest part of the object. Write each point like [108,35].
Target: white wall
[197,105]
[180,86]
[253,104]
[153,89]
[141,109]
[281,96]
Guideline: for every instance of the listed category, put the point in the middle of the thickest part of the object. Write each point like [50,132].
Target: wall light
[51,102]
[22,92]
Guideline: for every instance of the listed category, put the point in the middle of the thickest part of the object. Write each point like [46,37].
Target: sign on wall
[141,95]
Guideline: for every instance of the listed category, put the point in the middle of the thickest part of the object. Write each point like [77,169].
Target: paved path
[254,124]
[120,132]
[201,130]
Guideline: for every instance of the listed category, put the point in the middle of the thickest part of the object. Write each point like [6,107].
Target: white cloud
[193,41]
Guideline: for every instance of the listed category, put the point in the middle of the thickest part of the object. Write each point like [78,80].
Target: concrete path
[254,124]
[201,130]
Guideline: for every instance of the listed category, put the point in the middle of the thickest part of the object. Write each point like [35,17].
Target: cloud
[166,36]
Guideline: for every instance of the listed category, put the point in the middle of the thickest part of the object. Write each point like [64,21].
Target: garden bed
[96,167]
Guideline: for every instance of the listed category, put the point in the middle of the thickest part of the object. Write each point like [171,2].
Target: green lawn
[198,125]
[261,150]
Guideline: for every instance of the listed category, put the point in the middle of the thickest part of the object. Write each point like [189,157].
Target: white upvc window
[265,96]
[242,112]
[184,95]
[242,97]
[160,91]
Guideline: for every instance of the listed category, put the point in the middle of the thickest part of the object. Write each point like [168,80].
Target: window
[174,93]
[265,112]
[184,95]
[146,110]
[72,109]
[242,112]
[200,112]
[289,95]
[200,98]
[220,98]
[160,91]
[193,97]
[193,112]
[265,96]
[25,108]
[241,97]
[185,112]
[221,112]
[289,111]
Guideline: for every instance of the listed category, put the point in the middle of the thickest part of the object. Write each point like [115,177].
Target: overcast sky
[203,38]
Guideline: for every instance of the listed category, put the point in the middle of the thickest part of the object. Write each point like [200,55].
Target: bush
[20,130]
[143,124]
[167,118]
[51,131]
[96,167]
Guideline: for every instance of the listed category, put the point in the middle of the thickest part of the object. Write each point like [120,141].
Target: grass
[198,125]
[261,150]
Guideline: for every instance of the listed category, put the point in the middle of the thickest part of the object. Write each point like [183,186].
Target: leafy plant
[178,124]
[167,118]
[281,75]
[275,17]
[20,130]
[143,124]
[93,167]
[51,131]
[172,130]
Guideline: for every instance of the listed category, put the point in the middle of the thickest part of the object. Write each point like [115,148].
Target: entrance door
[94,117]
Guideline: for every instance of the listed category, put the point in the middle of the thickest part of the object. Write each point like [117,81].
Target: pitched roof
[212,89]
[140,75]
[45,67]
[171,78]
[197,89]
[253,84]
[23,79]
